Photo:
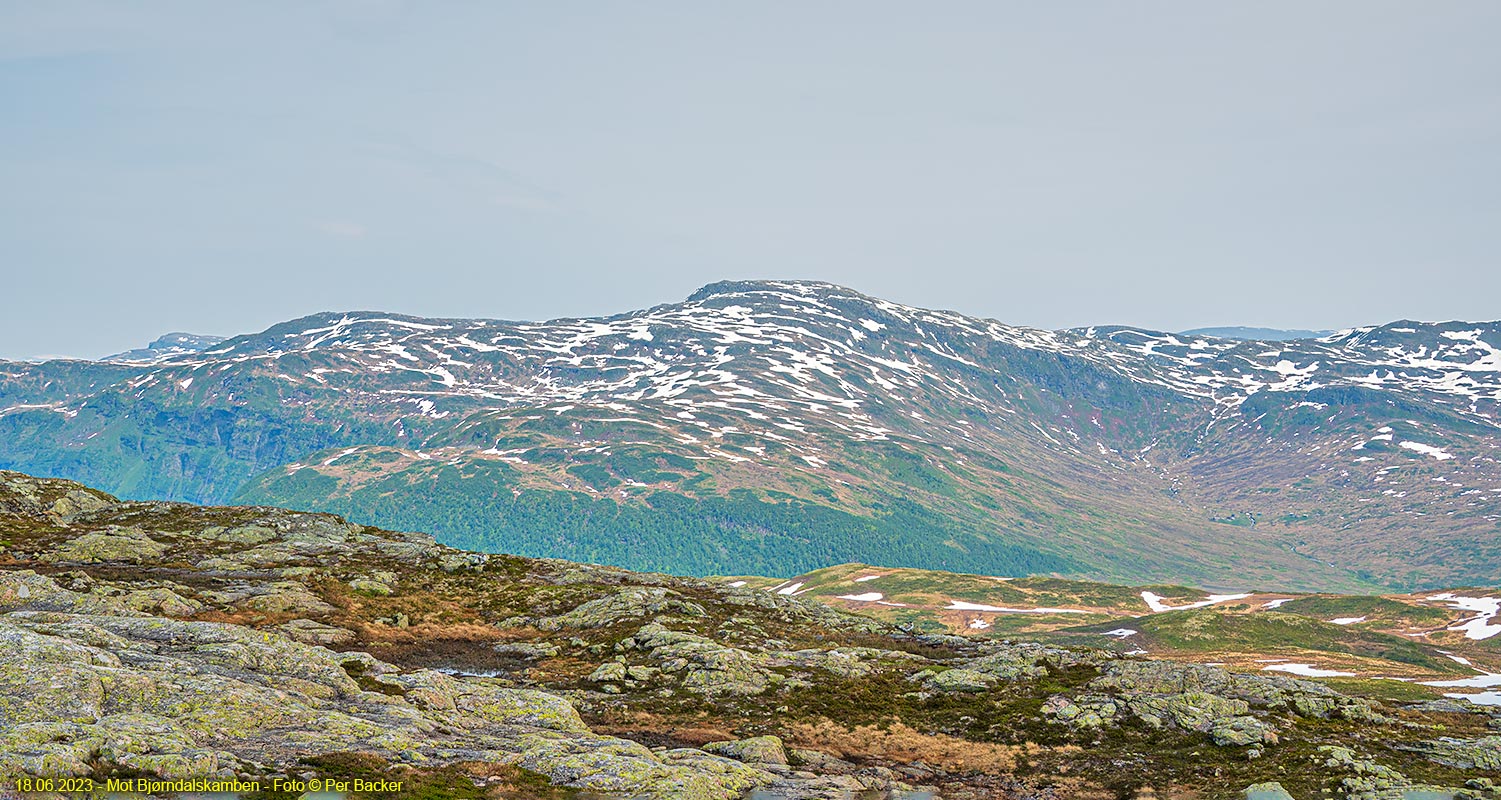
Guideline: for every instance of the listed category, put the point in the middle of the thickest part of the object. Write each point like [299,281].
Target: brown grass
[900,744]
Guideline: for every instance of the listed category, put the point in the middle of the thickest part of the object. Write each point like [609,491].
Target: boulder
[755,750]
[1266,791]
[160,601]
[634,602]
[288,597]
[130,545]
[960,680]
[608,671]
[1483,754]
[527,650]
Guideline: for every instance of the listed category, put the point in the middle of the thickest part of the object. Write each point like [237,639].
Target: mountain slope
[776,427]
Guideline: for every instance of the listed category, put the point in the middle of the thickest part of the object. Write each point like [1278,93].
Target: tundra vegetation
[171,640]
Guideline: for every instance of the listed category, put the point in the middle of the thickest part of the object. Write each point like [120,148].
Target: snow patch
[1154,601]
[1427,450]
[960,605]
[1487,608]
[1308,671]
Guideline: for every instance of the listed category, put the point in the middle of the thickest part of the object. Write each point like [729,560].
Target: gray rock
[130,545]
[630,603]
[960,680]
[755,750]
[310,632]
[528,650]
[1266,791]
[105,686]
[1478,754]
[608,671]
[288,597]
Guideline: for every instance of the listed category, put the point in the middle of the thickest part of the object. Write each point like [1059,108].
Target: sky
[219,167]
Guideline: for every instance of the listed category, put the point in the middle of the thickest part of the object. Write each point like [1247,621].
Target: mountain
[165,347]
[153,642]
[1257,334]
[778,427]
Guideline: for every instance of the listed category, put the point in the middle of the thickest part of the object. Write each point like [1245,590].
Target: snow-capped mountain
[165,347]
[779,425]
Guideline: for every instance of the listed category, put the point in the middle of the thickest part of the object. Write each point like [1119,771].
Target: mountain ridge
[1109,451]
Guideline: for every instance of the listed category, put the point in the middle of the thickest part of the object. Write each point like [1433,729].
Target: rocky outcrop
[705,666]
[1478,754]
[636,602]
[1266,791]
[755,750]
[1203,699]
[130,545]
[89,681]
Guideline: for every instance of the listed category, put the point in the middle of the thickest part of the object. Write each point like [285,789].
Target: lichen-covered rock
[1011,663]
[1367,779]
[160,601]
[24,589]
[1190,711]
[755,750]
[174,698]
[373,585]
[1083,712]
[1305,698]
[1266,791]
[131,545]
[310,632]
[633,602]
[456,561]
[77,502]
[1242,731]
[1478,754]
[707,667]
[608,671]
[528,650]
[288,597]
[618,765]
[959,680]
[243,534]
[1447,705]
[845,662]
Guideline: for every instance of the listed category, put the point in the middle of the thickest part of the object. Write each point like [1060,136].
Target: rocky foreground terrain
[158,639]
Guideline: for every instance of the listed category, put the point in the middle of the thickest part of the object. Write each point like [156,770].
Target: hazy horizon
[217,169]
[397,312]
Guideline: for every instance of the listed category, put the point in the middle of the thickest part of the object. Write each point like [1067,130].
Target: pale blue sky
[216,167]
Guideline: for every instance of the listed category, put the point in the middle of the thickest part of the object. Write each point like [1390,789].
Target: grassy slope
[1402,635]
